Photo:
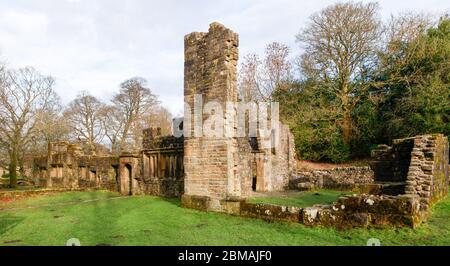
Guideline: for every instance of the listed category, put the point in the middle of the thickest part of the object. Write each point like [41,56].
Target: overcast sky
[94,45]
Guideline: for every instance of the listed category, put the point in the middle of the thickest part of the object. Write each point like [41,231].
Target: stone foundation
[342,178]
[348,212]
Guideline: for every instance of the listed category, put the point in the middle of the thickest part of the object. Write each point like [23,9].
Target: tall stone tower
[210,163]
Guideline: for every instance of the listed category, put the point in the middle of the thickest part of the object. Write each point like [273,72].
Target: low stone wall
[16,195]
[165,187]
[270,212]
[367,211]
[342,178]
[200,203]
[348,212]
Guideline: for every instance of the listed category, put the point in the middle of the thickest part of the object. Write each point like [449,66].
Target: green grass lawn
[144,220]
[303,199]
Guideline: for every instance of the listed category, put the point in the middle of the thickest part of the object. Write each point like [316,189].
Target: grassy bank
[302,199]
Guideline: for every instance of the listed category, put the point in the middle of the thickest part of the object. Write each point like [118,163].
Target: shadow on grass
[8,221]
[102,209]
[173,201]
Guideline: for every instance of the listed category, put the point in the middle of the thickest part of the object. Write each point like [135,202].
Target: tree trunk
[124,138]
[347,120]
[13,169]
[347,127]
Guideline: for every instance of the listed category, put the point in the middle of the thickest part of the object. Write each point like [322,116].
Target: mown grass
[145,220]
[303,199]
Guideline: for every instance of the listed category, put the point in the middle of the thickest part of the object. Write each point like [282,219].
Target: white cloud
[94,45]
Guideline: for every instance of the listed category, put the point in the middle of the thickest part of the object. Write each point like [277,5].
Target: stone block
[200,203]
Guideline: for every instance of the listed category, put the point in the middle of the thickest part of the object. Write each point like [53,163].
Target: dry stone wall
[347,212]
[428,175]
[341,178]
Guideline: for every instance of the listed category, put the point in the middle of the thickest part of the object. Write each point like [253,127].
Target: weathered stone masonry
[157,170]
[221,171]
[410,176]
[210,70]
[66,166]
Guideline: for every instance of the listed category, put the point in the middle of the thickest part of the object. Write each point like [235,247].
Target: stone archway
[126,179]
[128,175]
[129,172]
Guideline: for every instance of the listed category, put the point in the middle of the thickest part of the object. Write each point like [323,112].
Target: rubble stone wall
[391,163]
[341,178]
[428,173]
[279,162]
[347,212]
[65,166]
[409,178]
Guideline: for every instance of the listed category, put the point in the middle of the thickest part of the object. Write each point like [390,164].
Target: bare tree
[340,45]
[24,95]
[159,117]
[4,161]
[406,27]
[249,79]
[258,79]
[112,121]
[84,116]
[47,131]
[133,101]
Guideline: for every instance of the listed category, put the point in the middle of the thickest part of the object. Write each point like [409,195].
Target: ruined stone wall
[274,166]
[347,212]
[367,211]
[340,178]
[409,177]
[391,164]
[162,168]
[210,164]
[428,174]
[65,166]
[282,160]
[418,165]
[97,172]
[246,168]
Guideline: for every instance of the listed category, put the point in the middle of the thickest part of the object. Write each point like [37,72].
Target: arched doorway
[129,176]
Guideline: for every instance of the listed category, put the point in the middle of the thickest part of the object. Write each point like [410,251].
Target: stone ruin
[218,174]
[221,171]
[157,170]
[67,166]
[415,166]
[209,173]
[408,178]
